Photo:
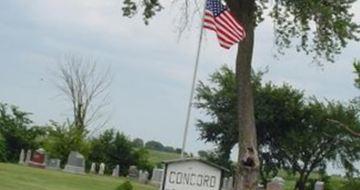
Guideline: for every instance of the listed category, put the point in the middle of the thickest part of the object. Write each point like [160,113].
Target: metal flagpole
[193,85]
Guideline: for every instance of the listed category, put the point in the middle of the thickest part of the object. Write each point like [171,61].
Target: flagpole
[193,85]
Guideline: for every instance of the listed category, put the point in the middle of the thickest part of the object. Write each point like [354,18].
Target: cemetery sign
[192,174]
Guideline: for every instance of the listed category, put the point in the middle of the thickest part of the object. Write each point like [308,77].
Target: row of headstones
[38,159]
[76,164]
[276,183]
[101,169]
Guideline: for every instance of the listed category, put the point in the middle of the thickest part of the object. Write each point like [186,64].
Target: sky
[150,65]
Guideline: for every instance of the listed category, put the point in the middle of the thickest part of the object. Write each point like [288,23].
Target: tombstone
[143,177]
[192,174]
[277,183]
[225,183]
[260,187]
[28,157]
[116,170]
[157,176]
[93,168]
[133,172]
[75,163]
[22,156]
[38,159]
[101,169]
[53,164]
[231,183]
[319,185]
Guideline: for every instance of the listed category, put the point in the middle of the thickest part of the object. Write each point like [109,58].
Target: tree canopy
[321,27]
[294,132]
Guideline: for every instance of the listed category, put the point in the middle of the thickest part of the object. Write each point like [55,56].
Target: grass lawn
[157,156]
[16,177]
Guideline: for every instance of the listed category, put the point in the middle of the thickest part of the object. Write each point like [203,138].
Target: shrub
[64,138]
[17,132]
[112,148]
[125,186]
[351,184]
[2,149]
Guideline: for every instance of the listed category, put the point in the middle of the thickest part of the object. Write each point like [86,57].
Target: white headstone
[225,183]
[93,168]
[53,164]
[102,169]
[28,157]
[319,185]
[157,176]
[22,156]
[231,183]
[75,163]
[116,171]
[133,172]
[143,177]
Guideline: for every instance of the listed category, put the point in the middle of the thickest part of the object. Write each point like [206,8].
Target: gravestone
[225,183]
[28,157]
[22,156]
[192,174]
[101,169]
[38,159]
[93,168]
[319,185]
[231,183]
[53,164]
[133,172]
[277,183]
[260,187]
[228,183]
[143,177]
[157,176]
[116,170]
[75,163]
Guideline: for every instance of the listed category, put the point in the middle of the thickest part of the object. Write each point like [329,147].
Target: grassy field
[157,156]
[16,177]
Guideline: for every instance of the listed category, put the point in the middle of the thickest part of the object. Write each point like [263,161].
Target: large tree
[320,27]
[285,119]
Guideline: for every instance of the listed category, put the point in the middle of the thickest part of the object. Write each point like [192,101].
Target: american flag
[219,19]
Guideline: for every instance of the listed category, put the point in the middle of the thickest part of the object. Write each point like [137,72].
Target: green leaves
[16,131]
[285,119]
[149,8]
[321,28]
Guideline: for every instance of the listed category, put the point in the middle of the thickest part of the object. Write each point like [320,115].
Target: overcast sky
[152,69]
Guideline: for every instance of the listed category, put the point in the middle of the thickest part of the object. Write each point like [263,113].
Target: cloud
[152,68]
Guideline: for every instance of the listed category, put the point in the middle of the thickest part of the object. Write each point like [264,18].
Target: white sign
[192,175]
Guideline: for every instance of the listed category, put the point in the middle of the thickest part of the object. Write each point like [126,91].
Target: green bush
[17,131]
[351,184]
[125,186]
[2,149]
[114,148]
[64,138]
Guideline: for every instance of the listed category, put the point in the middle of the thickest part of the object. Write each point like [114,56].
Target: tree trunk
[248,160]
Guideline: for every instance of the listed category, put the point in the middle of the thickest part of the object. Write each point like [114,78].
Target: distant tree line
[155,145]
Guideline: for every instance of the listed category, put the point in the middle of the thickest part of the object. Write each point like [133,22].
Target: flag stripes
[219,19]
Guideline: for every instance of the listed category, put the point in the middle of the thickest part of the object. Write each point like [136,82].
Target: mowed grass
[17,177]
[156,157]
